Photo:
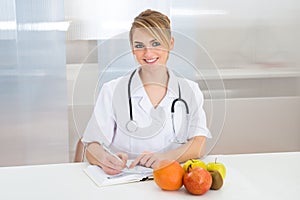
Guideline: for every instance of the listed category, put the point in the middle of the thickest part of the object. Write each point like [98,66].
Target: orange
[168,175]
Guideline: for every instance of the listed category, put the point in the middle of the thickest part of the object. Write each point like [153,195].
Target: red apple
[197,180]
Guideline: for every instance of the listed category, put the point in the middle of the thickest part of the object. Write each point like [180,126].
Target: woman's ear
[172,43]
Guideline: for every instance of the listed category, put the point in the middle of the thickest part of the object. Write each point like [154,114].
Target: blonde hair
[155,23]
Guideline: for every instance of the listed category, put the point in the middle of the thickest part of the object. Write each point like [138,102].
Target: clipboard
[101,179]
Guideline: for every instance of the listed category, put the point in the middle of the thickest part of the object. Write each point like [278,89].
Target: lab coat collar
[138,91]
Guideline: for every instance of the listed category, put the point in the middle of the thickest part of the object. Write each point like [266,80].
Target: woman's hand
[147,159]
[111,165]
[194,148]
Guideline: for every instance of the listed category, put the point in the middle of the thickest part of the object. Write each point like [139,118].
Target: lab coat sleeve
[198,124]
[100,127]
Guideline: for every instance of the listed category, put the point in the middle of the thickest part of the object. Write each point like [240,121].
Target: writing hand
[110,163]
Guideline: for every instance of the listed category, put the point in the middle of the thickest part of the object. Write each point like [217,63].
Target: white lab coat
[104,128]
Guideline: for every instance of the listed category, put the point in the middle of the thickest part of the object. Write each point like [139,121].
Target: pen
[111,153]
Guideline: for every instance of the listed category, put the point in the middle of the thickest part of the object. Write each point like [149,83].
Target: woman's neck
[155,83]
[158,76]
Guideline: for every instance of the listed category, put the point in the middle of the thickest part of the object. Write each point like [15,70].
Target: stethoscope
[132,125]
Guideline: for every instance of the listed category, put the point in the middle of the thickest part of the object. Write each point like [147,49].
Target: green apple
[193,163]
[218,167]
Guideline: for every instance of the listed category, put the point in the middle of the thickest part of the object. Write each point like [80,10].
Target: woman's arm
[194,148]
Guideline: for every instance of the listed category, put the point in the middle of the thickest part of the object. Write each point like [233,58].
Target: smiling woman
[151,90]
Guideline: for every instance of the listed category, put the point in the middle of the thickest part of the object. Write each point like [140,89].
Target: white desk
[249,176]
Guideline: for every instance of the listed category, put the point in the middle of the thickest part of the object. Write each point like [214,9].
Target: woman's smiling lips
[151,61]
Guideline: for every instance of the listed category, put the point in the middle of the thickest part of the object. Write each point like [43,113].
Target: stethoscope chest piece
[131,126]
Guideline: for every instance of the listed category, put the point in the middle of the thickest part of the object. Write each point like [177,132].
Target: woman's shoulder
[191,83]
[183,79]
[112,83]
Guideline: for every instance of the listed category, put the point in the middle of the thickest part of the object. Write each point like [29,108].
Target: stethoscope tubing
[129,95]
[172,106]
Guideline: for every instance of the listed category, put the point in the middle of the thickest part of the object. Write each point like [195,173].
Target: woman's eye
[155,44]
[138,46]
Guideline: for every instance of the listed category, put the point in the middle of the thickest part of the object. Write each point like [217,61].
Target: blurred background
[55,54]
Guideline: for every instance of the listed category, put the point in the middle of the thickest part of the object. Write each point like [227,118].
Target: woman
[141,126]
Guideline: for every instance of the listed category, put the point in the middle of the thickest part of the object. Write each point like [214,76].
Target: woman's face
[148,50]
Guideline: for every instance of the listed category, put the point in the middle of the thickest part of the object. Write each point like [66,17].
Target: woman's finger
[136,161]
[151,161]
[110,171]
[145,158]
[124,158]
[114,162]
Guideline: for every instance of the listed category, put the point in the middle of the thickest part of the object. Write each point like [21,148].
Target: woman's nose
[148,50]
